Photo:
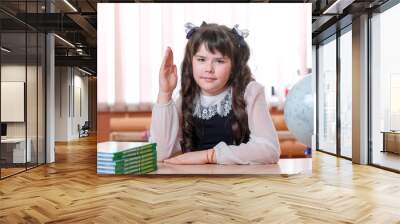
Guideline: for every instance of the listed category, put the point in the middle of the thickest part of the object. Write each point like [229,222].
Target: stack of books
[126,157]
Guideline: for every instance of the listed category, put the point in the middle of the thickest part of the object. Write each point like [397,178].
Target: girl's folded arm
[263,146]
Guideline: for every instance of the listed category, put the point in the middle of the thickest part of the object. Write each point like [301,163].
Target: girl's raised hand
[168,76]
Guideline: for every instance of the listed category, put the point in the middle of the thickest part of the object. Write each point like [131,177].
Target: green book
[133,170]
[143,166]
[150,152]
[127,162]
[119,150]
[134,163]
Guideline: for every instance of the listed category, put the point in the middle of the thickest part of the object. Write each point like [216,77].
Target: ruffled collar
[207,107]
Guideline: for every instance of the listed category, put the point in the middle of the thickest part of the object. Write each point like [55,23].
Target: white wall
[33,127]
[82,83]
[70,83]
[62,81]
[13,73]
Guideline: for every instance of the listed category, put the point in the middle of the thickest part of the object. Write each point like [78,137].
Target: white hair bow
[189,29]
[243,33]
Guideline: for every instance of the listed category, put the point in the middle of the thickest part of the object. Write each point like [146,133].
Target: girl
[221,115]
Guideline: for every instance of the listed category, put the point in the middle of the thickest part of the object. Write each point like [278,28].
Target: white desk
[285,167]
[18,149]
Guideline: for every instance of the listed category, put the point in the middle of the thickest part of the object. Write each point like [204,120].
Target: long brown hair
[220,38]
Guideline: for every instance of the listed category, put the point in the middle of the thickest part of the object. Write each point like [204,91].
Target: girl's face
[211,71]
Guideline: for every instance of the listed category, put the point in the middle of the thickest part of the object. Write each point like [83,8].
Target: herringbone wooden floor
[70,191]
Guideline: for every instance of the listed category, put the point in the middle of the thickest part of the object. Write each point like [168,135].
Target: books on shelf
[126,157]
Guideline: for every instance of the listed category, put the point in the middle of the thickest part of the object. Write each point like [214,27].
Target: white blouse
[262,148]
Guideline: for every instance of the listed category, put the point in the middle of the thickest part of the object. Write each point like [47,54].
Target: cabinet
[391,141]
[13,150]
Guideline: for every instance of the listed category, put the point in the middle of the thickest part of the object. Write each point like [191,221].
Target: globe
[299,110]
